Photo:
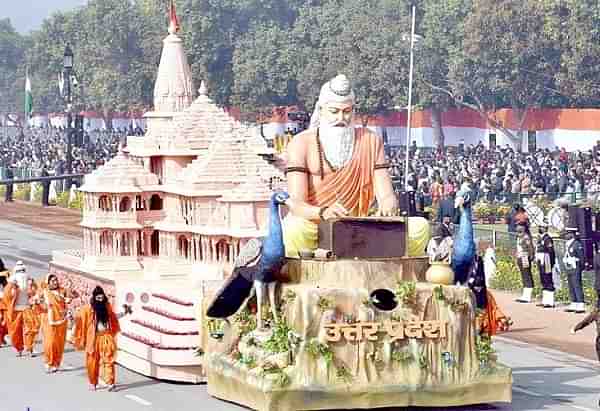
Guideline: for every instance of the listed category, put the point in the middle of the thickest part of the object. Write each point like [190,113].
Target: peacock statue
[257,265]
[464,250]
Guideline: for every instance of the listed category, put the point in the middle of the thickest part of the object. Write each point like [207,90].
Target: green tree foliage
[507,58]
[442,29]
[364,39]
[256,54]
[578,34]
[11,70]
[263,68]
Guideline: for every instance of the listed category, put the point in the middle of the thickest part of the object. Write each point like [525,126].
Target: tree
[507,59]
[263,67]
[212,28]
[579,37]
[11,67]
[360,38]
[442,29]
[45,57]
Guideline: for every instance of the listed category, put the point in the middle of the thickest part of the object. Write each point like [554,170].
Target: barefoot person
[31,318]
[334,170]
[55,328]
[17,304]
[95,331]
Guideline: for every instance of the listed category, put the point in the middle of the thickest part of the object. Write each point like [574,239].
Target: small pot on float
[440,272]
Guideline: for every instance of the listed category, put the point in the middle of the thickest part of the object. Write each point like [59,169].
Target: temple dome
[202,121]
[119,175]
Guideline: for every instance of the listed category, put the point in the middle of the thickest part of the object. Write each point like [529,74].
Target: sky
[27,15]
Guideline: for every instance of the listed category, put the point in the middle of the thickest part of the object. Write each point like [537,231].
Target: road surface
[543,379]
[33,247]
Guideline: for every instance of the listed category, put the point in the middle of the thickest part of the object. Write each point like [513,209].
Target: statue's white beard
[338,144]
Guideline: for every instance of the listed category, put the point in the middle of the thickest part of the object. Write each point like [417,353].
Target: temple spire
[203,89]
[173,20]
[173,90]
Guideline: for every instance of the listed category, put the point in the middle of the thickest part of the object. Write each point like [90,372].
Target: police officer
[573,263]
[545,258]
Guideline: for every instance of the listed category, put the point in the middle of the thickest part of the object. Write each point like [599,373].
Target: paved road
[33,247]
[543,379]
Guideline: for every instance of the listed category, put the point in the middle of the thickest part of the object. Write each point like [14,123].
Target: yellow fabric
[299,234]
[418,236]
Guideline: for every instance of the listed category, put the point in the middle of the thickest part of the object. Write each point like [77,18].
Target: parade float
[164,220]
[355,324]
[360,332]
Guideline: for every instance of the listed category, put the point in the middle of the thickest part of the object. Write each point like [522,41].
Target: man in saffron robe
[18,296]
[334,170]
[95,331]
[55,328]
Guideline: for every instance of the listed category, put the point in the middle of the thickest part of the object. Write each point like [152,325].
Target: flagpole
[410,87]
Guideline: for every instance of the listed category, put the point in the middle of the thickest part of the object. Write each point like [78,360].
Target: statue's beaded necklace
[322,158]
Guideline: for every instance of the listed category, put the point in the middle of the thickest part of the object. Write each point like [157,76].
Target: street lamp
[410,86]
[68,70]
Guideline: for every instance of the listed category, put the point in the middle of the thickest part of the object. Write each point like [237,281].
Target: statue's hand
[388,206]
[334,211]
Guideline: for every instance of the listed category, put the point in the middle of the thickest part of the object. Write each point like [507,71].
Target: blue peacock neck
[275,235]
[465,229]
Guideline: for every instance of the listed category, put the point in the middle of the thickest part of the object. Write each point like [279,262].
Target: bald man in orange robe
[96,327]
[18,296]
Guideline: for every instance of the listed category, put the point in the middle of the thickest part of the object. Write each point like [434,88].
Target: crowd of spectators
[32,152]
[499,174]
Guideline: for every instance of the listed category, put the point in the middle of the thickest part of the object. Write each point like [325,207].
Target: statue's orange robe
[100,346]
[55,329]
[352,185]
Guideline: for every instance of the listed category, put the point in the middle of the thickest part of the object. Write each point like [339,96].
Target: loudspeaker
[407,204]
[582,219]
[588,252]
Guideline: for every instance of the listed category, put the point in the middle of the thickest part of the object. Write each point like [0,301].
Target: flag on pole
[28,96]
[173,20]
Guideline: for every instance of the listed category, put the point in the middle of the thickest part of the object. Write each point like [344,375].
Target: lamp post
[68,70]
[410,86]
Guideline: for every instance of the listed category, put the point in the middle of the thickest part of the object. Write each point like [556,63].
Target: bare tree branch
[479,109]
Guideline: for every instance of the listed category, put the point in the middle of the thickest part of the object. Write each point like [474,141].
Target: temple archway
[154,243]
[125,244]
[104,203]
[106,246]
[184,246]
[156,203]
[125,204]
